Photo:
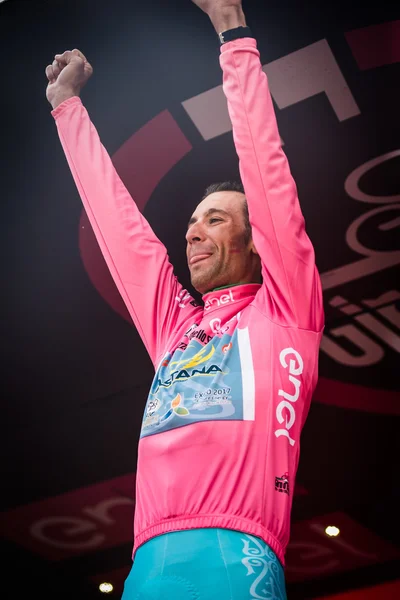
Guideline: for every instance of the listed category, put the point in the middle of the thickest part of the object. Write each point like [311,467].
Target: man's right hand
[67,75]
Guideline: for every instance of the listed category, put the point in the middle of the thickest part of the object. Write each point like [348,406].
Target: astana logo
[195,360]
[189,367]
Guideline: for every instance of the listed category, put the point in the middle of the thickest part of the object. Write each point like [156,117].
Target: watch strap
[233,34]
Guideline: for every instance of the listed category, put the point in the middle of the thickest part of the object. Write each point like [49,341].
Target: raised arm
[292,290]
[136,258]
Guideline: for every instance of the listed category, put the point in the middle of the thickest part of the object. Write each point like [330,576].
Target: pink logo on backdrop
[86,520]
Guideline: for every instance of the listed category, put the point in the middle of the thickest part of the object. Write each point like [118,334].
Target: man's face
[217,252]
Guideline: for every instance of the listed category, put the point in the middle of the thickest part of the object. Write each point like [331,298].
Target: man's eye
[214,220]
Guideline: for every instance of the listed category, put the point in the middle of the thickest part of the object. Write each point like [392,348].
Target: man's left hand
[209,6]
[224,14]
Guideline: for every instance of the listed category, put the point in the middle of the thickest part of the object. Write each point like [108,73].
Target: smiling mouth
[198,258]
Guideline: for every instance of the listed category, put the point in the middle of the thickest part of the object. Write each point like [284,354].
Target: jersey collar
[229,295]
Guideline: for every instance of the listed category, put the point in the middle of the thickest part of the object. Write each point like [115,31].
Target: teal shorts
[205,564]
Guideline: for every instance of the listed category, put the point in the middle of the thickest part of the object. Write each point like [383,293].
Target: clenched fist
[66,76]
[224,14]
[210,5]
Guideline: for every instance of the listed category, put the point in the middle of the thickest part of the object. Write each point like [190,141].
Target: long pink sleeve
[292,290]
[137,260]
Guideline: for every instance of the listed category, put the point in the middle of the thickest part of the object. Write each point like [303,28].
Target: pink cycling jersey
[220,438]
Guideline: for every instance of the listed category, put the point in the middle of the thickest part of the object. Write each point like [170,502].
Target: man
[219,445]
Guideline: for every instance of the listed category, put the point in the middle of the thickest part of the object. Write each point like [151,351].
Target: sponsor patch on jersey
[199,383]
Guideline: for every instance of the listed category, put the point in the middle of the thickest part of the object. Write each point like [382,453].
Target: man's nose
[195,233]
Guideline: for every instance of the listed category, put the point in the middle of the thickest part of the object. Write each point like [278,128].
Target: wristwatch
[234,34]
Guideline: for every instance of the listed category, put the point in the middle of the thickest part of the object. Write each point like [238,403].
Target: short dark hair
[232,186]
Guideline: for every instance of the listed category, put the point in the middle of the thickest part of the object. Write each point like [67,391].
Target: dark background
[74,370]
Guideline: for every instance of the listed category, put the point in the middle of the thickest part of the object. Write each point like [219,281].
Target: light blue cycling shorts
[205,564]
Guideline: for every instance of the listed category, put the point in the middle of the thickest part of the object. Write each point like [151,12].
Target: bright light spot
[106,588]
[332,531]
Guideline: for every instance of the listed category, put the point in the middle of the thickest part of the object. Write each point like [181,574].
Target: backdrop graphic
[75,373]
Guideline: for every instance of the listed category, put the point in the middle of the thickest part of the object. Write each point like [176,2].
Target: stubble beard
[206,279]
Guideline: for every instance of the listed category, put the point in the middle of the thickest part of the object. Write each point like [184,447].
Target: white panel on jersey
[248,383]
